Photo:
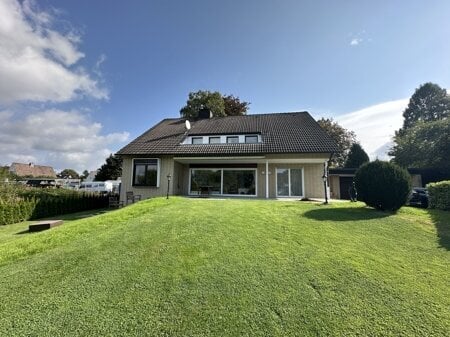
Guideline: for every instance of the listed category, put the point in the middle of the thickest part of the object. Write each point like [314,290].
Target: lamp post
[325,177]
[168,184]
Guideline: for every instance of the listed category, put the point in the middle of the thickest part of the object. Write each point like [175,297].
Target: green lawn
[196,267]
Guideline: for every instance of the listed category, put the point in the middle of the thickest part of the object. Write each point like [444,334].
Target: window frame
[289,182]
[251,136]
[196,138]
[214,137]
[232,137]
[158,172]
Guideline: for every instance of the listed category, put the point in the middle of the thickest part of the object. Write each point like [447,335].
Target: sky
[80,79]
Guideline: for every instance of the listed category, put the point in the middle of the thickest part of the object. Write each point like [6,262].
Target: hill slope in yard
[194,267]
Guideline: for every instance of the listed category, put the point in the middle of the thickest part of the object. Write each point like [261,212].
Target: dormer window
[197,140]
[251,139]
[232,139]
[214,140]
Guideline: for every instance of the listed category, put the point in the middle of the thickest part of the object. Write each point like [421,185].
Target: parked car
[418,197]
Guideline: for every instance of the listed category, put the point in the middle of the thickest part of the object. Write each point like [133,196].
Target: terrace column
[267,179]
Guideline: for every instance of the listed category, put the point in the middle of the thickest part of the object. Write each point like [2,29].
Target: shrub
[439,195]
[383,185]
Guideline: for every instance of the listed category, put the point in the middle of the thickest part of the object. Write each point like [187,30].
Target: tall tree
[68,174]
[425,145]
[429,103]
[111,170]
[234,106]
[220,105]
[356,157]
[84,175]
[343,138]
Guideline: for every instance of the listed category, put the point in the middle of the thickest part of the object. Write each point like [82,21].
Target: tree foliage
[423,141]
[68,174]
[111,170]
[425,145]
[234,106]
[429,103]
[383,185]
[219,104]
[356,157]
[344,139]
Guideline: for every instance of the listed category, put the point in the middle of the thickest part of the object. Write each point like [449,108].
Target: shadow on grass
[441,220]
[345,214]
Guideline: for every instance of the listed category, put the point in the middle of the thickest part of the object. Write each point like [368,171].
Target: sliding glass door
[289,182]
[223,181]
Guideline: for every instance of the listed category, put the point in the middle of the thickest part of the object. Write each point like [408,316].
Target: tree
[219,104]
[68,174]
[84,175]
[234,106]
[111,170]
[383,185]
[343,138]
[429,103]
[356,157]
[425,145]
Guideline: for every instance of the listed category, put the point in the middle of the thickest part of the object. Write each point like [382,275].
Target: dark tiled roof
[295,132]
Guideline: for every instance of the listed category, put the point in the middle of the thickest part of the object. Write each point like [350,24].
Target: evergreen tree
[111,170]
[356,157]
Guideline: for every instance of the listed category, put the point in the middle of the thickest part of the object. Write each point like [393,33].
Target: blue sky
[102,72]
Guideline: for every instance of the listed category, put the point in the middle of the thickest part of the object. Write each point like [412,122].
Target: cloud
[355,41]
[63,139]
[38,63]
[375,125]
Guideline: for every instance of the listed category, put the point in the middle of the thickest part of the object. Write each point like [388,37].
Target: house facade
[256,156]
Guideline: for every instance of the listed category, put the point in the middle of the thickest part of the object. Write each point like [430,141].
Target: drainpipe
[267,179]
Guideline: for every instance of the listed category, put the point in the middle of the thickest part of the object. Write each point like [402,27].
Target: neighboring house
[32,171]
[258,155]
[341,179]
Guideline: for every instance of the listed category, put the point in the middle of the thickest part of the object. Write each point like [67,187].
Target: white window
[232,139]
[214,140]
[197,140]
[251,139]
[289,182]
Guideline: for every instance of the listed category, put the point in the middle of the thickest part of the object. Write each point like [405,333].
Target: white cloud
[375,125]
[59,138]
[355,41]
[38,63]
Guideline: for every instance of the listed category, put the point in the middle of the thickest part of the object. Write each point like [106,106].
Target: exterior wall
[416,180]
[179,185]
[312,185]
[166,167]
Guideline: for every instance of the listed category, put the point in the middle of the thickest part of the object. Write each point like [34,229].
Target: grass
[193,267]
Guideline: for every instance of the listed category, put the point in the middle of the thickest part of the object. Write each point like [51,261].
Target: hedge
[439,195]
[20,204]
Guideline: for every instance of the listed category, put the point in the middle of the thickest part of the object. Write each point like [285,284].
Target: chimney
[204,113]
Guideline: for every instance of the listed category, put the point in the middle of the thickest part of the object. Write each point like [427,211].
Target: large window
[145,172]
[205,181]
[223,181]
[232,139]
[289,182]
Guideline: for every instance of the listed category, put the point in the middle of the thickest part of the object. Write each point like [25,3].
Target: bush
[383,185]
[19,203]
[439,195]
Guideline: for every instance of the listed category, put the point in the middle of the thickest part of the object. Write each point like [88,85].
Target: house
[32,171]
[259,155]
[91,176]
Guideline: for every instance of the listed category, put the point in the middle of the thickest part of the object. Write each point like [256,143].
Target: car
[418,197]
